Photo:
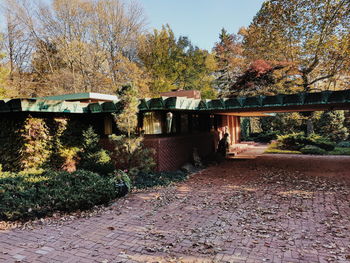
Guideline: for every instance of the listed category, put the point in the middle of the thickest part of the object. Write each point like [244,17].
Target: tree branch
[321,78]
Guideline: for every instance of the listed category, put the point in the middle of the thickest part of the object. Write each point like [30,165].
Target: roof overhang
[83,96]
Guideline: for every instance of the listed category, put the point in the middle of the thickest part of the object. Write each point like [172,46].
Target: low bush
[340,151]
[145,180]
[312,149]
[273,148]
[297,141]
[92,156]
[321,142]
[130,154]
[29,196]
[344,144]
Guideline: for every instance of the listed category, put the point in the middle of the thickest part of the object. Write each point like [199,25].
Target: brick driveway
[241,211]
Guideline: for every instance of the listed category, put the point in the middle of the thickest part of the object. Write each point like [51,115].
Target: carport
[215,117]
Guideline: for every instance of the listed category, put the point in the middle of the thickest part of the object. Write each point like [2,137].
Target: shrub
[93,157]
[321,142]
[25,143]
[331,125]
[28,196]
[129,154]
[344,144]
[293,141]
[274,149]
[296,141]
[340,151]
[312,149]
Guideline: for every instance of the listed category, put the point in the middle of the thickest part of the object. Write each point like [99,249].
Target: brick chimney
[193,94]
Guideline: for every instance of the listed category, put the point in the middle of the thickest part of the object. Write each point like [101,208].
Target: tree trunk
[309,126]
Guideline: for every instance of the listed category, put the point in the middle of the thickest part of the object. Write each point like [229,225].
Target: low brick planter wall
[174,151]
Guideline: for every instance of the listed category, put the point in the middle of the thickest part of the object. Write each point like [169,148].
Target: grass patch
[273,149]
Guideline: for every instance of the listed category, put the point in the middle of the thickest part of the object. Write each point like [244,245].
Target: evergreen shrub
[312,149]
[26,196]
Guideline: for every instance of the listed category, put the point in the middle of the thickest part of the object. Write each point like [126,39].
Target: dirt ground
[274,208]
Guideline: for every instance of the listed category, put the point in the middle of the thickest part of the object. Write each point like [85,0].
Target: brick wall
[174,151]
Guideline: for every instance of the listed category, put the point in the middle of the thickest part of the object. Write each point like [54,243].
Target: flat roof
[83,96]
[240,106]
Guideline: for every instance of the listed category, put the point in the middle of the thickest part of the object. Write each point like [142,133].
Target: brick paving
[239,211]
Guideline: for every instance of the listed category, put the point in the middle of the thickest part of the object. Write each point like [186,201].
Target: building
[174,125]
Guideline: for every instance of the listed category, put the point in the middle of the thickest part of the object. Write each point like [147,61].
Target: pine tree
[331,124]
[127,119]
[129,153]
[93,157]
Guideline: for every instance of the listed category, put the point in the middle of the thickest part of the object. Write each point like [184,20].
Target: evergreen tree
[331,124]
[129,153]
[93,157]
[126,120]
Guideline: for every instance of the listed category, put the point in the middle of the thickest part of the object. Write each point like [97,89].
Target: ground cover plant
[298,143]
[27,196]
[31,189]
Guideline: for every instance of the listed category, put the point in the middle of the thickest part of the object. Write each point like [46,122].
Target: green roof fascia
[33,105]
[156,104]
[193,104]
[316,97]
[271,101]
[144,104]
[255,101]
[293,99]
[203,105]
[95,107]
[339,96]
[176,102]
[110,106]
[170,102]
[234,103]
[216,104]
[4,107]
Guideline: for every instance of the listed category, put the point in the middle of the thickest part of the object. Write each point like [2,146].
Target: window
[108,126]
[152,123]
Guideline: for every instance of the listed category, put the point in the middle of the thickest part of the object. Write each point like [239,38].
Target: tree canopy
[310,38]
[174,63]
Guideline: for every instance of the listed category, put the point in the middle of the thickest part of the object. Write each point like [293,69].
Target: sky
[201,20]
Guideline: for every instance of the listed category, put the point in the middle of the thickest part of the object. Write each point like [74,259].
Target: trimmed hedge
[31,196]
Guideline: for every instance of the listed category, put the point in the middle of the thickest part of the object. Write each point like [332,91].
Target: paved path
[240,211]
